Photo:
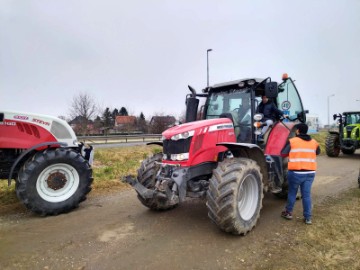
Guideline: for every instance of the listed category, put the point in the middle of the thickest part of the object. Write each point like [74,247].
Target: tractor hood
[209,124]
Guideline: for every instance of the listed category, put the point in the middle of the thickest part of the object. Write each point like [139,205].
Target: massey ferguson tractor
[347,139]
[223,157]
[52,171]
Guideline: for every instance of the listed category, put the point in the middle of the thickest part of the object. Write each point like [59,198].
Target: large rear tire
[332,145]
[54,181]
[147,177]
[235,195]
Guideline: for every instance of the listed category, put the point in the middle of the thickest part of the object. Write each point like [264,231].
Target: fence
[119,138]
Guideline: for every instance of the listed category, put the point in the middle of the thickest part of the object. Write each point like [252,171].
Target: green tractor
[347,139]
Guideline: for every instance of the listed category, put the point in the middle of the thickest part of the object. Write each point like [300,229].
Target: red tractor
[52,170]
[221,157]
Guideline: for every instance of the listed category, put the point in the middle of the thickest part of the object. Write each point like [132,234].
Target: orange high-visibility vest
[302,154]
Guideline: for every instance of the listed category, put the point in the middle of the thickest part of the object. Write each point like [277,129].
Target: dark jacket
[269,110]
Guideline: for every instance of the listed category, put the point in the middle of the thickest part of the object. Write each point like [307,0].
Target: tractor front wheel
[235,195]
[147,177]
[332,145]
[54,181]
[348,151]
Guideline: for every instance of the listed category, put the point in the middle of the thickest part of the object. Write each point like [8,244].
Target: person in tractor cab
[270,111]
[302,151]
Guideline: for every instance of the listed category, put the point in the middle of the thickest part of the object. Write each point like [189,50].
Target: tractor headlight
[183,135]
[241,84]
[251,82]
[179,157]
[258,116]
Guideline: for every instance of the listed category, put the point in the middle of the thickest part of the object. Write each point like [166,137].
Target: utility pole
[328,108]
[207,64]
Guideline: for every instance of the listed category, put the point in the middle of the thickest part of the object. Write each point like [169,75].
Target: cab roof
[236,82]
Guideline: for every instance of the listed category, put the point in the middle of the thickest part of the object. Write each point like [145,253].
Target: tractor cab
[238,100]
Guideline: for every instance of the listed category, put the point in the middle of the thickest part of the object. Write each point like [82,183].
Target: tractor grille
[348,131]
[176,147]
[29,129]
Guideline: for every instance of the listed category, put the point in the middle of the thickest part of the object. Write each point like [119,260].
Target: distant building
[124,120]
[313,122]
[125,123]
[82,126]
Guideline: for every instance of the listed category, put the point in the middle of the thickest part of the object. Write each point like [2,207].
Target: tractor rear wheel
[332,145]
[147,177]
[235,195]
[54,181]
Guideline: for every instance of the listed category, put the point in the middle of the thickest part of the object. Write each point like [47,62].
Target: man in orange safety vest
[302,151]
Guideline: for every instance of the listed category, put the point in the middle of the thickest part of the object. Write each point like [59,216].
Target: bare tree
[83,110]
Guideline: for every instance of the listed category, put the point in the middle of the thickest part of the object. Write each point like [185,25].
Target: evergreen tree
[115,113]
[141,123]
[107,118]
[123,112]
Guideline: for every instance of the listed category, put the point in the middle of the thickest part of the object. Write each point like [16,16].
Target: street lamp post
[328,108]
[207,64]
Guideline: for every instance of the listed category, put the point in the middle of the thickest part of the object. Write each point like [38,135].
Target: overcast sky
[143,54]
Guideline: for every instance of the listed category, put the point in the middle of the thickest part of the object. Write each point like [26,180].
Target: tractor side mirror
[302,116]
[271,89]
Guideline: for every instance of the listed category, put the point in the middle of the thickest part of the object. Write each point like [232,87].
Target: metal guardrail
[119,138]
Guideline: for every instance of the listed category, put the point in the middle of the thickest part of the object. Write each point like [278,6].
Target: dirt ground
[114,231]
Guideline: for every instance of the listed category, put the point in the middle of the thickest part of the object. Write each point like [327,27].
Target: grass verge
[332,242]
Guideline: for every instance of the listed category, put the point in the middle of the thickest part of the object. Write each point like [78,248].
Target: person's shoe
[287,215]
[307,221]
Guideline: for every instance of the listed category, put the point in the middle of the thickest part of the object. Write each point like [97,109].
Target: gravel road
[114,231]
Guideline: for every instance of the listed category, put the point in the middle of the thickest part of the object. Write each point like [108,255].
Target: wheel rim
[248,197]
[57,182]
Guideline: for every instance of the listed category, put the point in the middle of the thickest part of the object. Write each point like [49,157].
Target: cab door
[289,101]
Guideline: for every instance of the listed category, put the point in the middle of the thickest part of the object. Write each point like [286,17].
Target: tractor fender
[278,137]
[248,150]
[29,150]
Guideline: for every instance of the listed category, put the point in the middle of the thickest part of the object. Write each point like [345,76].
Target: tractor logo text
[7,123]
[21,117]
[41,122]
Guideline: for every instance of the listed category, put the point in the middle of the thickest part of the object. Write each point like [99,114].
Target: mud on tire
[54,181]
[235,195]
[147,176]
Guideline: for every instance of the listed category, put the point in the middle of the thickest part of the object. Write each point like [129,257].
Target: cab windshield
[353,118]
[229,101]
